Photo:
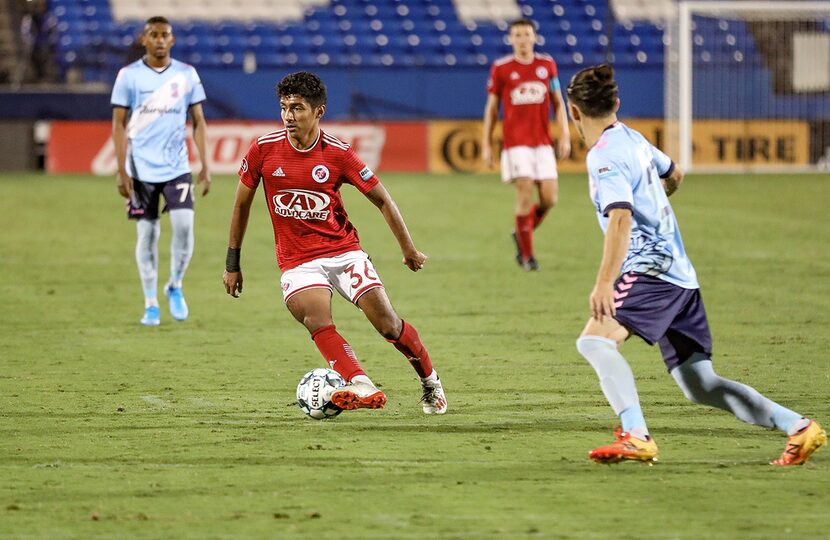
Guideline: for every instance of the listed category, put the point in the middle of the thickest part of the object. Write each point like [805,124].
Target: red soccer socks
[410,346]
[538,215]
[524,234]
[338,354]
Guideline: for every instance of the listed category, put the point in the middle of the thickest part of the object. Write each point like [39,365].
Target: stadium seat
[371,32]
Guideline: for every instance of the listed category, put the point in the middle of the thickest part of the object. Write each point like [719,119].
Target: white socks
[181,244]
[147,253]
[147,257]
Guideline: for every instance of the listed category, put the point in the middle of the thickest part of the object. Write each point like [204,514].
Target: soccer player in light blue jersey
[646,285]
[151,101]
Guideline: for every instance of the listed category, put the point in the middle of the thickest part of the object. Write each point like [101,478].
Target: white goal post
[747,85]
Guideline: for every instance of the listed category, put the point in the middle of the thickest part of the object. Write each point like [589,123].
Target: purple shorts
[178,193]
[661,312]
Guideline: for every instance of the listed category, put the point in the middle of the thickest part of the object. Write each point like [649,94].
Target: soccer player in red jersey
[302,169]
[527,85]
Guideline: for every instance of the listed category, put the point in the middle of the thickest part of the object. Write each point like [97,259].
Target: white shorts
[536,163]
[351,274]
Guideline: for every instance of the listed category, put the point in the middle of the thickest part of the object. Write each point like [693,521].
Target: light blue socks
[616,381]
[701,384]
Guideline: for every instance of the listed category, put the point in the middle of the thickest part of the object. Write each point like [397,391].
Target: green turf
[189,430]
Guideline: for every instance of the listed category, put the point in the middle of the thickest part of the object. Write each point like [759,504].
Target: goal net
[747,85]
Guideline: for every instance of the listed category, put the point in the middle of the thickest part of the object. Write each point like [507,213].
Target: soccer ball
[314,393]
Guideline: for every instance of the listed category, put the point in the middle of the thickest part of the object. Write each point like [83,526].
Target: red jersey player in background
[302,169]
[527,85]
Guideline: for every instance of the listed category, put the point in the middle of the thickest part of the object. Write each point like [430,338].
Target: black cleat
[521,262]
[529,265]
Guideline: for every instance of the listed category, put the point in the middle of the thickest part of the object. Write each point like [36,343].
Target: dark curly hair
[594,90]
[304,84]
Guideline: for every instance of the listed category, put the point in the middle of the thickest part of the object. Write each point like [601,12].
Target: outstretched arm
[412,258]
[617,239]
[239,223]
[199,135]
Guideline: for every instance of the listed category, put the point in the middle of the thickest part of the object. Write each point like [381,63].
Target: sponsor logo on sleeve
[320,174]
[366,173]
[605,171]
[244,167]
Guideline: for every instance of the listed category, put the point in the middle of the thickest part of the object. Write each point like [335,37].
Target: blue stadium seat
[381,33]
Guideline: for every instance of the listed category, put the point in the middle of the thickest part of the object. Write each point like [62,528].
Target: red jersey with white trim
[302,190]
[524,92]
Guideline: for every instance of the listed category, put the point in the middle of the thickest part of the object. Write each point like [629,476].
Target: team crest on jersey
[529,93]
[244,166]
[366,173]
[174,90]
[320,174]
[301,204]
[542,72]
[514,76]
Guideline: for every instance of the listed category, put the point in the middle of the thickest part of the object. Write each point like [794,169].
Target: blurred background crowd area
[756,91]
[88,40]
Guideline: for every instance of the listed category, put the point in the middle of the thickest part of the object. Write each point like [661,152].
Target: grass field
[189,430]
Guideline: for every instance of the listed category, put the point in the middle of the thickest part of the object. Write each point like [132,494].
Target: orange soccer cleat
[802,445]
[624,448]
[358,395]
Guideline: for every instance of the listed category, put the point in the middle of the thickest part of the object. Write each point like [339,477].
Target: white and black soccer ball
[314,393]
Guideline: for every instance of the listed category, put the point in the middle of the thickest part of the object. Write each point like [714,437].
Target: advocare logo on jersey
[529,93]
[320,174]
[301,204]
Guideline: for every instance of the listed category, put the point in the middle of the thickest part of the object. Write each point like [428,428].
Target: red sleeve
[554,71]
[250,171]
[494,83]
[356,173]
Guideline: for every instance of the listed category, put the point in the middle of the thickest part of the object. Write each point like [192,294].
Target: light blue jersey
[158,103]
[624,171]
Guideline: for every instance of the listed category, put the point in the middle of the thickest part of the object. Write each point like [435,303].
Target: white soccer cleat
[434,400]
[358,395]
